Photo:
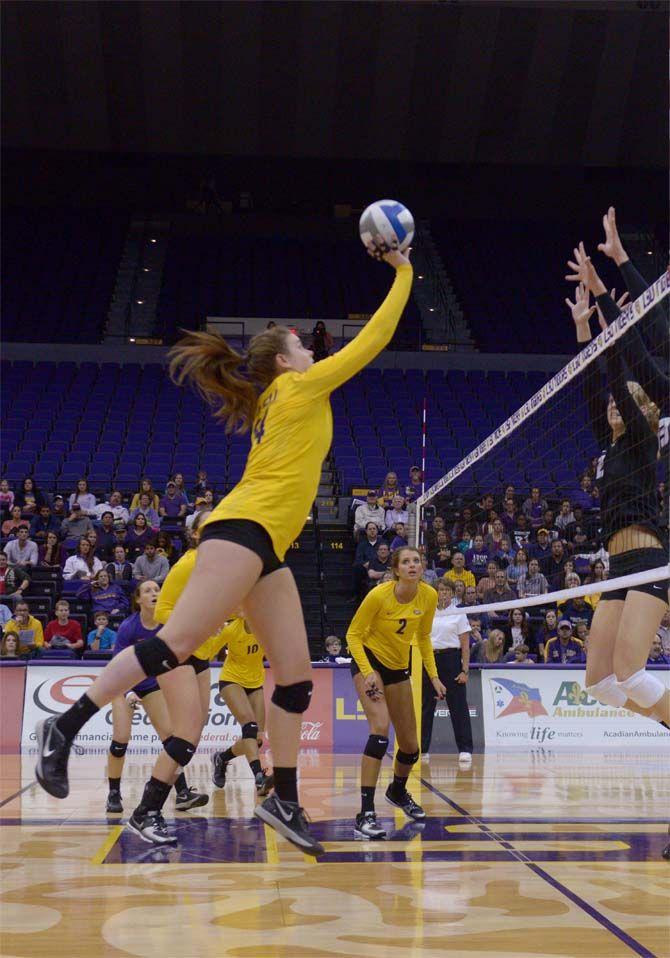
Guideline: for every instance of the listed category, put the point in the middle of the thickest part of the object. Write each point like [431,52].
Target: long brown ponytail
[213,369]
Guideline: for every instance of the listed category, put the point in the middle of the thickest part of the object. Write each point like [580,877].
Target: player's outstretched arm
[325,376]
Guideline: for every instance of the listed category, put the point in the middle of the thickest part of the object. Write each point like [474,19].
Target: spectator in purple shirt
[147,511]
[565,649]
[105,596]
[173,505]
[534,507]
[509,515]
[583,497]
[656,654]
[477,558]
[400,538]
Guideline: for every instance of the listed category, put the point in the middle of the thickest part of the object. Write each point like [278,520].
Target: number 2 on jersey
[401,629]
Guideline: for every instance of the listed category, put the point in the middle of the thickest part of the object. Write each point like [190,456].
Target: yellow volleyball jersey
[172,588]
[388,627]
[244,662]
[293,430]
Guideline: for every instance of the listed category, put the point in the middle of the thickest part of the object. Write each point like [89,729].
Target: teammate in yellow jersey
[284,397]
[241,687]
[390,617]
[146,820]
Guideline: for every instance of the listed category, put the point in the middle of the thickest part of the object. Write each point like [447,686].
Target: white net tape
[630,315]
[562,595]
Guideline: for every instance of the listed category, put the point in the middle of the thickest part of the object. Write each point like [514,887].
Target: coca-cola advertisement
[317,722]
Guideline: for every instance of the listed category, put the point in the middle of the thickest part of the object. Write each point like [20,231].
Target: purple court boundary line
[592,912]
[25,788]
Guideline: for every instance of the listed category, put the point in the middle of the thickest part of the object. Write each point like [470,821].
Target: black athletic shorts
[388,676]
[200,665]
[247,533]
[223,684]
[638,560]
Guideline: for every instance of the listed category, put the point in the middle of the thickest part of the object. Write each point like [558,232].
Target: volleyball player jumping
[379,639]
[625,620]
[147,819]
[243,543]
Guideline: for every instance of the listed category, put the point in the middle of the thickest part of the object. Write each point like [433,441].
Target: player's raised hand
[380,249]
[612,247]
[581,309]
[583,271]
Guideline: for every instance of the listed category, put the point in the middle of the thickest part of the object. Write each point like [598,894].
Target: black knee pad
[376,746]
[155,657]
[293,698]
[250,730]
[118,749]
[407,758]
[179,750]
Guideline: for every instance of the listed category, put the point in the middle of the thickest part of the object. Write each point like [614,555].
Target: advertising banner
[51,690]
[442,740]
[549,708]
[12,683]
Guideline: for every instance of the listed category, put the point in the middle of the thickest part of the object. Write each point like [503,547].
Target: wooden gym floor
[543,854]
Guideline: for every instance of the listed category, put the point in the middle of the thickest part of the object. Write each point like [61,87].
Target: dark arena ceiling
[574,83]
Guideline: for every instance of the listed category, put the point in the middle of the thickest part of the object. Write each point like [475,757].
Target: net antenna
[554,447]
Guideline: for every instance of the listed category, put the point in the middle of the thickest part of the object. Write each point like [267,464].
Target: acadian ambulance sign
[550,708]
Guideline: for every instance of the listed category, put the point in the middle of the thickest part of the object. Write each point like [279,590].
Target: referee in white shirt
[451,641]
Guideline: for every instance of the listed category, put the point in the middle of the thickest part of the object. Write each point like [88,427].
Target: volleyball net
[534,480]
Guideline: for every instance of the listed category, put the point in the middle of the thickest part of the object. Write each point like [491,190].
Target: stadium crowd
[499,549]
[69,566]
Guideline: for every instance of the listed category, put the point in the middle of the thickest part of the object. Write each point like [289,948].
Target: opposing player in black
[626,429]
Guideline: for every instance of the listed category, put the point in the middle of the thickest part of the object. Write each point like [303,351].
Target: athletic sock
[180,783]
[399,786]
[72,721]
[286,784]
[114,784]
[228,755]
[368,798]
[153,797]
[255,766]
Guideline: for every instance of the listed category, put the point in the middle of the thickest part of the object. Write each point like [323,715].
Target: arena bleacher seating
[59,269]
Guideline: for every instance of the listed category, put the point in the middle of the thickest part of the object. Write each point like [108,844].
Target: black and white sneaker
[53,754]
[264,783]
[114,803]
[405,801]
[367,827]
[219,769]
[151,828]
[290,820]
[190,798]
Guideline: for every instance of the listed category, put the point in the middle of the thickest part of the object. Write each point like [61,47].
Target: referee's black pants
[449,665]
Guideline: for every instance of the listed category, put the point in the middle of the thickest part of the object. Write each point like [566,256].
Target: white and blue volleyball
[391,220]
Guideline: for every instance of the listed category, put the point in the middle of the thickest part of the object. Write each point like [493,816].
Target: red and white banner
[51,690]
